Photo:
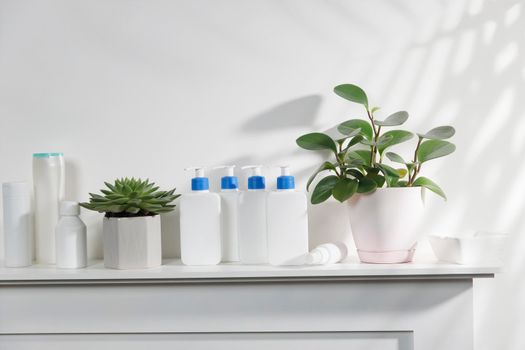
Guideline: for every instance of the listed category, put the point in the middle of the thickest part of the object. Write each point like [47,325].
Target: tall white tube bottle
[18,224]
[287,217]
[49,185]
[253,236]
[229,215]
[200,223]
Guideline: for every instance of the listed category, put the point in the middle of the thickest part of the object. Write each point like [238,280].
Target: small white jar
[71,237]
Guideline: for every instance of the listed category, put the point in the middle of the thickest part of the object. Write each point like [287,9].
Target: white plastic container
[327,253]
[49,185]
[71,238]
[200,223]
[287,220]
[478,248]
[18,224]
[253,237]
[229,215]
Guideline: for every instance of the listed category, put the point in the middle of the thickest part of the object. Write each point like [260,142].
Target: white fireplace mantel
[345,306]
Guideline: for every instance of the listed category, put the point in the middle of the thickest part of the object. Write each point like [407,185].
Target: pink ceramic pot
[387,223]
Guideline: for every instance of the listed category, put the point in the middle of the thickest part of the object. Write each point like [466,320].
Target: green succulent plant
[131,197]
[361,149]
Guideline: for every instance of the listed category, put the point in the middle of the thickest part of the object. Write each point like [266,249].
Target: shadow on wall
[296,113]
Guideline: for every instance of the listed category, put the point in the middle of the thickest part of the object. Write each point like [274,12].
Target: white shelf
[173,270]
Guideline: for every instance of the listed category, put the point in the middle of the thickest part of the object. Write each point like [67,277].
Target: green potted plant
[384,200]
[131,226]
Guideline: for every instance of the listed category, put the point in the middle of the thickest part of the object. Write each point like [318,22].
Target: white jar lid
[69,208]
[16,189]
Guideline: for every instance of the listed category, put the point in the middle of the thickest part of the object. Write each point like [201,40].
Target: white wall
[146,88]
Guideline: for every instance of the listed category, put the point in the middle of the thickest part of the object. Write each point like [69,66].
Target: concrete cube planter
[132,243]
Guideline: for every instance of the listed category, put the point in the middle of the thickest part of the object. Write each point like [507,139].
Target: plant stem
[342,172]
[373,149]
[417,167]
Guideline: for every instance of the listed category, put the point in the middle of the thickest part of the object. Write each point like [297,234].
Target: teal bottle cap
[47,155]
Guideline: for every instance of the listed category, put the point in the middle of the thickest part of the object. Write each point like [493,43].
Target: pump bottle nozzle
[285,181]
[256,181]
[228,182]
[199,182]
[199,171]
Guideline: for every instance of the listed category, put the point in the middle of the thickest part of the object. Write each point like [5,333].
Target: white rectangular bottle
[49,184]
[253,243]
[229,215]
[200,223]
[287,220]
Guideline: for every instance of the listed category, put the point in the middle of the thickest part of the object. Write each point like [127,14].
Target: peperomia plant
[362,148]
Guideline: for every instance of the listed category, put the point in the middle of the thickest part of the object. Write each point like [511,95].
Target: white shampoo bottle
[253,242]
[71,238]
[49,182]
[229,215]
[287,218]
[200,223]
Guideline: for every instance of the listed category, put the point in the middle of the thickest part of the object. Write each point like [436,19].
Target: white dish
[468,250]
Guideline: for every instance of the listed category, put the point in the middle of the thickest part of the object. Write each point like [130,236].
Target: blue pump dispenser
[230,181]
[285,181]
[256,181]
[199,182]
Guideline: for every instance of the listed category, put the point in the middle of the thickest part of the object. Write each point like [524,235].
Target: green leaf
[396,158]
[366,185]
[402,173]
[351,133]
[355,173]
[431,185]
[382,142]
[373,174]
[323,190]
[323,167]
[410,166]
[349,126]
[440,133]
[391,174]
[360,155]
[387,170]
[344,189]
[378,179]
[374,109]
[132,210]
[352,93]
[354,141]
[395,137]
[434,149]
[316,141]
[397,118]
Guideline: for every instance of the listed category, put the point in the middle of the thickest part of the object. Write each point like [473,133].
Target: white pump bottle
[200,223]
[287,218]
[229,214]
[253,243]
